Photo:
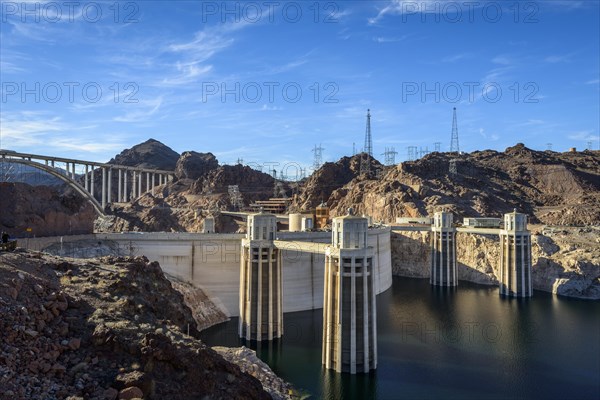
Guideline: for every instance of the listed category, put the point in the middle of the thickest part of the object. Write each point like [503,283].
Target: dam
[211,261]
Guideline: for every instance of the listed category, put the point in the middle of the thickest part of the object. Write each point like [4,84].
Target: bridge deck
[8,154]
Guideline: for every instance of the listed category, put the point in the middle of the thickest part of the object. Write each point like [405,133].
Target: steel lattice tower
[454,141]
[365,165]
[318,161]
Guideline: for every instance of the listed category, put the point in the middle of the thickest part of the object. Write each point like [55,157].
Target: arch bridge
[82,177]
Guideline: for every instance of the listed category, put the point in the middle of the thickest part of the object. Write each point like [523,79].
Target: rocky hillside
[330,177]
[102,329]
[553,188]
[150,154]
[46,210]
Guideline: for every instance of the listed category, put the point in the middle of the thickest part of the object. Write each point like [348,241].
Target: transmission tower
[240,161]
[411,152]
[365,164]
[437,146]
[454,141]
[390,156]
[590,145]
[549,146]
[318,161]
[235,197]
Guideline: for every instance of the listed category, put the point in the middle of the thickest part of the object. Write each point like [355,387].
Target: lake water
[463,343]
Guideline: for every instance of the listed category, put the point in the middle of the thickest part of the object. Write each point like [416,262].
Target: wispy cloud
[502,60]
[455,57]
[382,39]
[584,135]
[554,59]
[488,136]
[145,110]
[26,130]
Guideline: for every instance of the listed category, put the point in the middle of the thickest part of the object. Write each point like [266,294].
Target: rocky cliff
[45,210]
[102,329]
[565,261]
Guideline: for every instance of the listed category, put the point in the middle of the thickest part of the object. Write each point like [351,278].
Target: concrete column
[52,163]
[133,185]
[515,257]
[349,343]
[73,175]
[86,177]
[103,187]
[92,181]
[140,184]
[147,181]
[125,194]
[153,183]
[260,274]
[108,193]
[443,251]
[120,186]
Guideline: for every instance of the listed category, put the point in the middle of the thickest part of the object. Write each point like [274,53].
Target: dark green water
[466,343]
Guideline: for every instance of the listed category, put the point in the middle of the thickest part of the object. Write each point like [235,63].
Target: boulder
[193,165]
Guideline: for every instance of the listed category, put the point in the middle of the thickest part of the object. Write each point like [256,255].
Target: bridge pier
[109,191]
[120,186]
[443,251]
[261,301]
[133,185]
[92,181]
[103,194]
[125,187]
[139,184]
[153,183]
[515,256]
[349,303]
[85,178]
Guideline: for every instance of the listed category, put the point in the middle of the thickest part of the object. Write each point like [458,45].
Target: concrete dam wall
[212,262]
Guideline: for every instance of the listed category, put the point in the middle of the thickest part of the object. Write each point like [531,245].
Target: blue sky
[266,81]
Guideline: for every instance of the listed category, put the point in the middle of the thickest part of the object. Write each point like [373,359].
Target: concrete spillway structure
[261,309]
[515,256]
[443,251]
[349,303]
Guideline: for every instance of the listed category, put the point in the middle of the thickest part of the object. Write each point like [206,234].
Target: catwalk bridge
[93,180]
